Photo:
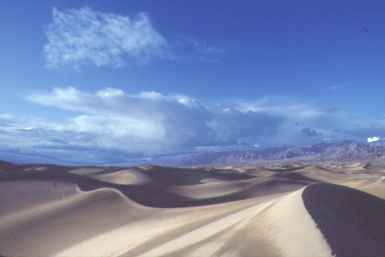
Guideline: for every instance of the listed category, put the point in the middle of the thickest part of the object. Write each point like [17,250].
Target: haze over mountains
[340,152]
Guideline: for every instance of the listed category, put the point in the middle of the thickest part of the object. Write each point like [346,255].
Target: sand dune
[351,221]
[61,224]
[257,212]
[26,194]
[123,177]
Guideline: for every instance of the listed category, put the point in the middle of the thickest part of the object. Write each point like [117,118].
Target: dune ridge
[352,221]
[63,223]
[159,211]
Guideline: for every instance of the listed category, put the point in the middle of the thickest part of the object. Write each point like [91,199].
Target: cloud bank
[112,124]
[83,36]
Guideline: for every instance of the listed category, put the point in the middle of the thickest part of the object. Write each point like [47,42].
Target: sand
[159,211]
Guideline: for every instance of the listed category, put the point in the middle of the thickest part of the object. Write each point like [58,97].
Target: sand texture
[289,211]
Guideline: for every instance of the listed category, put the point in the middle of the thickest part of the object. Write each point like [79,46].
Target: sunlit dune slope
[53,227]
[158,211]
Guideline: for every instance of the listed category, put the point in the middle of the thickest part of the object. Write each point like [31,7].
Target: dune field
[297,210]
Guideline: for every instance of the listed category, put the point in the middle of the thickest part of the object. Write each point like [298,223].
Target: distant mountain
[342,151]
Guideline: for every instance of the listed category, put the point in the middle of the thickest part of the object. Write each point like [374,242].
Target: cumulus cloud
[150,122]
[83,36]
[145,122]
[300,111]
[177,121]
[111,124]
[373,139]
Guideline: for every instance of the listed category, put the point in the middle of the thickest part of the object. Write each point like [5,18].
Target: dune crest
[293,230]
[258,212]
[352,221]
[48,229]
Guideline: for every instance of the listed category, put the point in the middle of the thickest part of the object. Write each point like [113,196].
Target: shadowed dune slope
[200,212]
[56,226]
[353,222]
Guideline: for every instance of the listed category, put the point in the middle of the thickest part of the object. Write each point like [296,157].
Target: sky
[100,79]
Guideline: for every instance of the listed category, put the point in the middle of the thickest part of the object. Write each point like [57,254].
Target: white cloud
[294,110]
[185,100]
[65,98]
[111,122]
[110,93]
[143,122]
[84,36]
[373,139]
[179,121]
[150,95]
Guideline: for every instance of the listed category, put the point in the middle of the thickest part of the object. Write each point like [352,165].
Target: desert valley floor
[318,210]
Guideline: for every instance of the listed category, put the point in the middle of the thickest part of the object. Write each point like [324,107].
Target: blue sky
[157,77]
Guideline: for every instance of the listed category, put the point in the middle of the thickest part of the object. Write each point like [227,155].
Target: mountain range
[342,152]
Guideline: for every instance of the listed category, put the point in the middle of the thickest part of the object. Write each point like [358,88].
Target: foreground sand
[153,211]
